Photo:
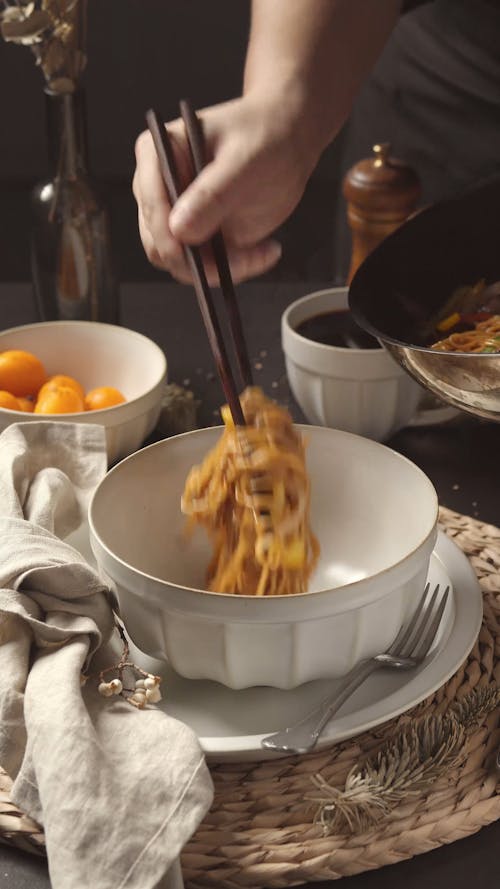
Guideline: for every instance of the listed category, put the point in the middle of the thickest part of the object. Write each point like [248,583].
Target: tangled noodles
[251,494]
[471,320]
[484,337]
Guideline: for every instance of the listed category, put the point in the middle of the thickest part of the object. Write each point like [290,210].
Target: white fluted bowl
[374,512]
[357,390]
[97,354]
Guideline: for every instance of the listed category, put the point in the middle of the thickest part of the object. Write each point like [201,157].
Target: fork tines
[416,637]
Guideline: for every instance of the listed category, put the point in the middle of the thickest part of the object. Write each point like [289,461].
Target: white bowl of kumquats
[83,372]
[373,519]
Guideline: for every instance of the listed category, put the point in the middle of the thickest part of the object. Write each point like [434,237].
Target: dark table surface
[460,458]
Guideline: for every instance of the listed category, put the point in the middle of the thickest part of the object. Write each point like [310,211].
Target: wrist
[293,117]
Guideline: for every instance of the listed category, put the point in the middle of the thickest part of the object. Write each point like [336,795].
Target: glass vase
[71,258]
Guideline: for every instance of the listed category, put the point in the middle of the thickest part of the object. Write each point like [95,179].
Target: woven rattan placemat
[260,830]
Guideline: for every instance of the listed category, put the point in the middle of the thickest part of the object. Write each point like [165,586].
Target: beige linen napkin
[118,790]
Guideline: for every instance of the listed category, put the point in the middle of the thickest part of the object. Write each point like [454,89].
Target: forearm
[306,60]
[313,55]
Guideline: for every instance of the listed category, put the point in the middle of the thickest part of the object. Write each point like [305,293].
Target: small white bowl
[357,390]
[374,512]
[97,354]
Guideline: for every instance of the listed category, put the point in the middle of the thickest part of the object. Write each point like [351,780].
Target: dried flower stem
[138,696]
[55,30]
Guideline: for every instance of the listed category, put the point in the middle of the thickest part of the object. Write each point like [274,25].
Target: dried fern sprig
[405,766]
[474,707]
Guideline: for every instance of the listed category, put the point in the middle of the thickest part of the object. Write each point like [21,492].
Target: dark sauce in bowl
[336,328]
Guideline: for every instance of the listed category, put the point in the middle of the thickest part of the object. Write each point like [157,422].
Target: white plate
[230,724]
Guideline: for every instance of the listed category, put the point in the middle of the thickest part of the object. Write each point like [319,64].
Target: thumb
[206,202]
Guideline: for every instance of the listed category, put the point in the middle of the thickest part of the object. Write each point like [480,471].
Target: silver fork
[408,650]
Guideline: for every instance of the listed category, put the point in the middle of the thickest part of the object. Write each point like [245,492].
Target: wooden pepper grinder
[381,192]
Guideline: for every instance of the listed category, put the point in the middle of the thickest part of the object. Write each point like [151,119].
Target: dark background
[142,53]
[434,95]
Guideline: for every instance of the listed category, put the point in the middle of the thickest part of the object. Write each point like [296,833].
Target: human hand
[257,176]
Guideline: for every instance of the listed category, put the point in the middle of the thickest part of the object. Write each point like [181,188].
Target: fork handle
[302,737]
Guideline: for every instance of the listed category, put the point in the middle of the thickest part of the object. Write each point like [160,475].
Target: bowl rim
[99,412]
[359,584]
[361,319]
[291,333]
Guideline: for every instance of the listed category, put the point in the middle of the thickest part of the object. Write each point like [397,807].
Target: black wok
[405,282]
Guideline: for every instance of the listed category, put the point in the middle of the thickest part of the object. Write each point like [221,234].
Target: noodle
[472,320]
[485,337]
[251,494]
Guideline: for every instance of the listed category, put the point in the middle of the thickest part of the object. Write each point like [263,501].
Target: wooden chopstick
[171,179]
[196,142]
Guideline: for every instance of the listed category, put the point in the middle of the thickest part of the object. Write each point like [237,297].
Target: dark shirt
[435,96]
